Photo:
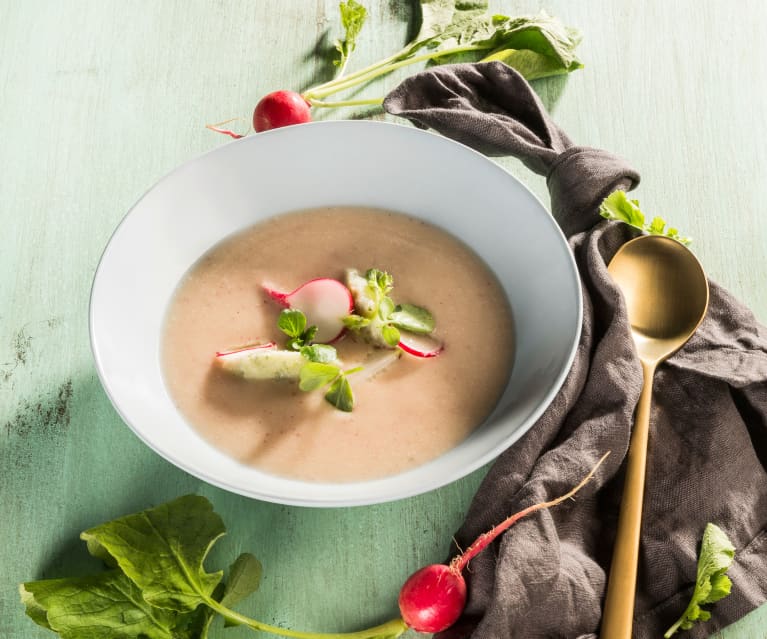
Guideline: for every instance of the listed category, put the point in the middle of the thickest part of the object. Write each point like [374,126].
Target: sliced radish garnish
[249,347]
[420,345]
[324,301]
[261,361]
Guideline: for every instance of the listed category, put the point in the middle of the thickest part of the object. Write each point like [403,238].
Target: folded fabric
[546,576]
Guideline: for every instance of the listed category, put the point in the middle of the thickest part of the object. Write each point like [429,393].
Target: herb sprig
[292,322]
[378,314]
[322,368]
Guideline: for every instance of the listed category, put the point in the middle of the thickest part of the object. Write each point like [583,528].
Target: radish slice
[420,345]
[261,361]
[324,301]
[249,347]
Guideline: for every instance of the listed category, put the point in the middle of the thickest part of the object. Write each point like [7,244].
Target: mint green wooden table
[99,99]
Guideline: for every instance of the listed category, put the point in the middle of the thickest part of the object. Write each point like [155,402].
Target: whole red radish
[280,108]
[433,597]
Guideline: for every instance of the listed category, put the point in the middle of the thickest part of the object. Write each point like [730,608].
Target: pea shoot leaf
[162,550]
[390,334]
[292,322]
[412,318]
[322,353]
[315,375]
[340,394]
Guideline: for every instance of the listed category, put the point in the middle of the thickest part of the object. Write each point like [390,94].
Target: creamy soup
[409,413]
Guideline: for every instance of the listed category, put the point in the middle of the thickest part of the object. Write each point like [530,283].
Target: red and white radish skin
[324,302]
[432,598]
[281,108]
[424,346]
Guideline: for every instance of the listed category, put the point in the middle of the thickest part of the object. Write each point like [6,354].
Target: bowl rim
[423,487]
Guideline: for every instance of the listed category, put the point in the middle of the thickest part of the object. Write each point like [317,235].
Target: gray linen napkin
[708,449]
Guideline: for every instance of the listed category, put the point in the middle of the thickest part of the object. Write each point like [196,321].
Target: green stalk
[345,103]
[395,627]
[356,74]
[382,68]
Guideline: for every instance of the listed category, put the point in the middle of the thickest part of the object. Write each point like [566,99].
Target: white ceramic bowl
[331,163]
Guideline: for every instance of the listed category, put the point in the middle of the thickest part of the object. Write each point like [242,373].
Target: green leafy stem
[158,587]
[711,582]
[456,31]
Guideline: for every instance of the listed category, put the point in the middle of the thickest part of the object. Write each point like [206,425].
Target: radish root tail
[483,541]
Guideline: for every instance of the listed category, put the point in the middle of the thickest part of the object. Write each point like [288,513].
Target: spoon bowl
[666,295]
[665,291]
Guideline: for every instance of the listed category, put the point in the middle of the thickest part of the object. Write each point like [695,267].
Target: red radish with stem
[280,108]
[324,302]
[433,597]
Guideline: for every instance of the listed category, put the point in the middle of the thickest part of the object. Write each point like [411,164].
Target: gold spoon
[666,295]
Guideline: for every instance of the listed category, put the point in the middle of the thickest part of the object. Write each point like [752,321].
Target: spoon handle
[618,617]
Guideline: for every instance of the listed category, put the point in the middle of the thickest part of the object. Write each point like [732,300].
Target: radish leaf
[353,16]
[103,606]
[462,31]
[243,580]
[618,207]
[162,551]
[711,583]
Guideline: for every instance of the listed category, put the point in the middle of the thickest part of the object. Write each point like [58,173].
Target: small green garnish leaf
[412,318]
[162,551]
[385,308]
[390,334]
[618,207]
[322,353]
[340,394]
[711,582]
[380,281]
[353,16]
[355,322]
[292,322]
[315,375]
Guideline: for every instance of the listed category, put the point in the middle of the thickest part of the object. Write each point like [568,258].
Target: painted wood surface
[99,99]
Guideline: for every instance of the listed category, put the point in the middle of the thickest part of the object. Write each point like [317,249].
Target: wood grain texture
[98,100]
